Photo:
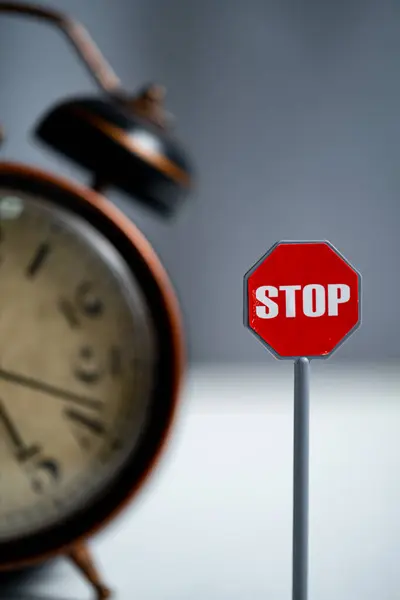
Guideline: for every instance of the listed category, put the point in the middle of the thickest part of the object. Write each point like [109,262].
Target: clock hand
[40,386]
[23,452]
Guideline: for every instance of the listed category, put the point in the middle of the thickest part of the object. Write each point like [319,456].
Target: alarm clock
[91,341]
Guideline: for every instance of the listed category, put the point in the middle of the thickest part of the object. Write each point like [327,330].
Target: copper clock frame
[164,309]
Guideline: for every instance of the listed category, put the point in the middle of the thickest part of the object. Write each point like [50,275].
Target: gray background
[291,113]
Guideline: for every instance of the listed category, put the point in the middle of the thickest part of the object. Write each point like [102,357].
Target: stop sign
[302,299]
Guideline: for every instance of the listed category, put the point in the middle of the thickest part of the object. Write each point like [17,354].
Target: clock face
[77,364]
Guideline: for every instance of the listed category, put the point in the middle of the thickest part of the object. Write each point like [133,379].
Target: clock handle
[79,38]
[148,103]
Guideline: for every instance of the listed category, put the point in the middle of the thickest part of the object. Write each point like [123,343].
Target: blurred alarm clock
[91,344]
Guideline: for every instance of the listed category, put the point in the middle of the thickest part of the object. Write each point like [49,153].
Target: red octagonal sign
[302,299]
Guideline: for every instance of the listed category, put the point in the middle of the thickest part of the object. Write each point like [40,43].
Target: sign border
[245,299]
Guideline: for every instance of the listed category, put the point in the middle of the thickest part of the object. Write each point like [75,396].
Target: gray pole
[300,478]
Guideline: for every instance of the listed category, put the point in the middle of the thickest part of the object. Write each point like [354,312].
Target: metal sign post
[302,300]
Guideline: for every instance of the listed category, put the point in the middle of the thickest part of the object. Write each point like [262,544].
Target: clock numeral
[38,260]
[45,473]
[88,301]
[87,368]
[85,303]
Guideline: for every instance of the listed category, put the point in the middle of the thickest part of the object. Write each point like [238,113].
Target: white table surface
[215,521]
